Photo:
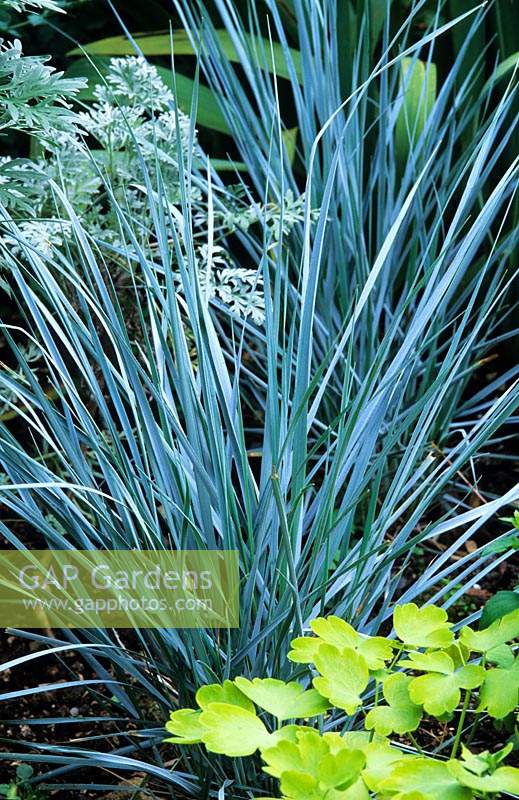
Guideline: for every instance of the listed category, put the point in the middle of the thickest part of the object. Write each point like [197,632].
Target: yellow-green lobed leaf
[427,776]
[439,693]
[283,700]
[344,676]
[503,780]
[312,755]
[376,650]
[400,715]
[227,692]
[437,661]
[423,627]
[305,754]
[185,726]
[232,730]
[499,694]
[503,630]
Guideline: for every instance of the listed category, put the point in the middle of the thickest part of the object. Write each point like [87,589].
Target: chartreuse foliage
[423,672]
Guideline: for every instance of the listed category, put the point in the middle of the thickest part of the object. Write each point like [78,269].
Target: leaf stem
[477,718]
[461,723]
[399,646]
[415,743]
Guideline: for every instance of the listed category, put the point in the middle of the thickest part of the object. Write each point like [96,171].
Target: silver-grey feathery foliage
[131,128]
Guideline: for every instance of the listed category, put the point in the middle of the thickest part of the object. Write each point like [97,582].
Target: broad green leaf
[499,694]
[484,761]
[501,631]
[504,779]
[427,776]
[313,748]
[345,675]
[458,652]
[232,730]
[475,762]
[380,761]
[227,692]
[290,139]
[378,10]
[415,796]
[376,650]
[374,753]
[401,715]
[357,791]
[185,726]
[351,740]
[311,756]
[208,113]
[24,772]
[422,627]
[418,82]
[440,694]
[508,542]
[299,786]
[437,661]
[339,771]
[288,733]
[501,656]
[304,649]
[290,756]
[335,631]
[179,43]
[93,70]
[505,68]
[283,700]
[501,604]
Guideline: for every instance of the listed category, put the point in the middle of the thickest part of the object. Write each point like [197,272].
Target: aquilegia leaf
[185,726]
[424,775]
[501,631]
[376,650]
[499,694]
[401,715]
[283,700]
[504,779]
[422,627]
[233,730]
[227,692]
[345,675]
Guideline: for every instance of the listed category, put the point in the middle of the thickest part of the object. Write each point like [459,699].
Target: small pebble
[74,712]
